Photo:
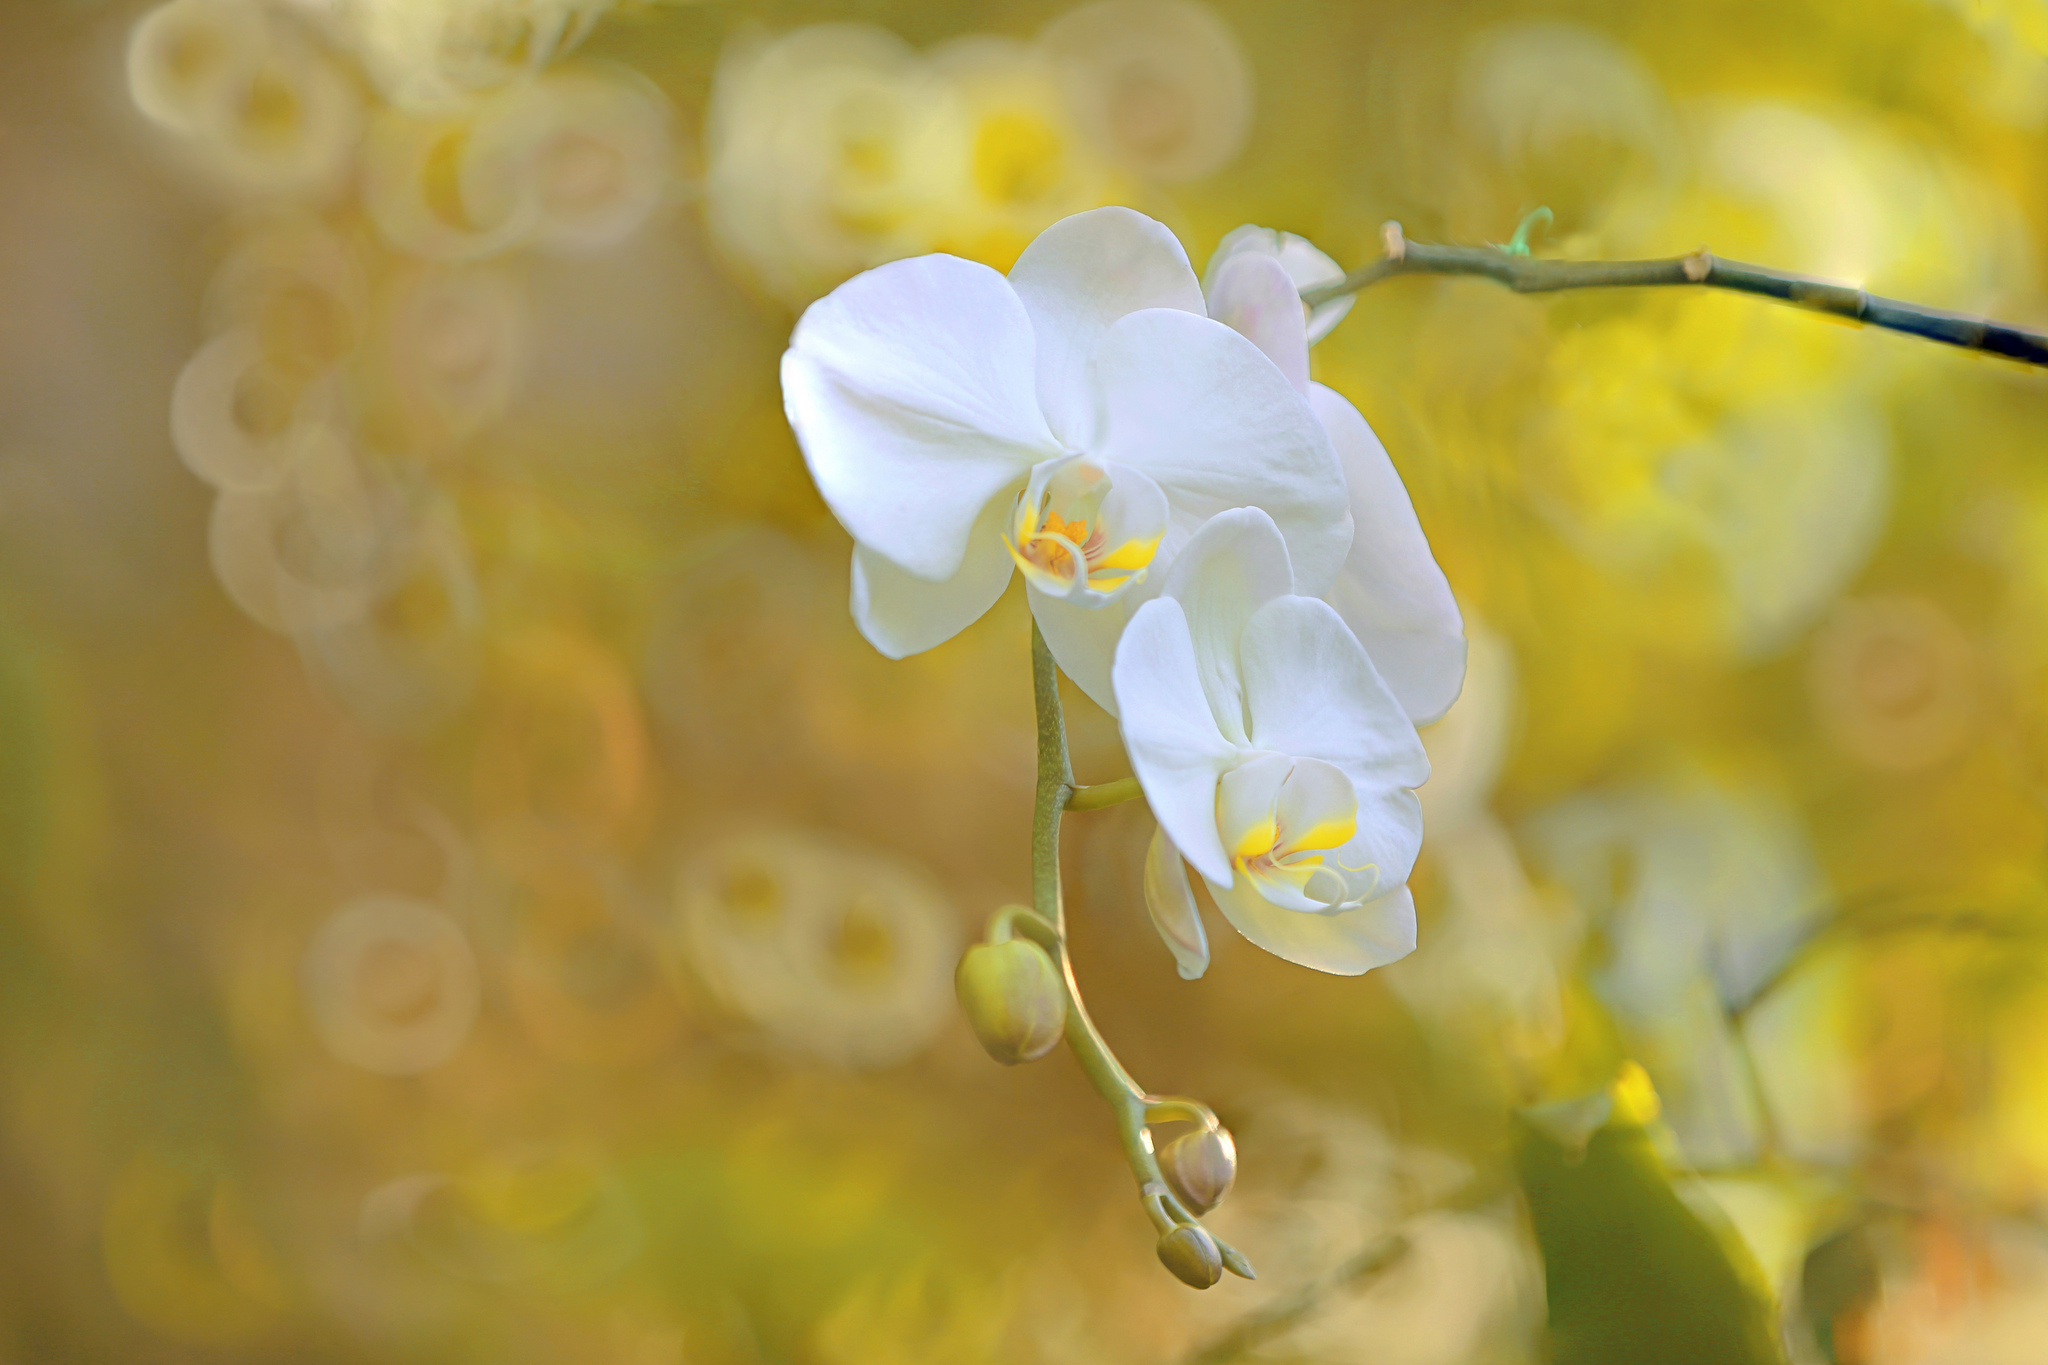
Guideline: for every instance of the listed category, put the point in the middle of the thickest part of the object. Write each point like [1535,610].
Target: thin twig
[1532,275]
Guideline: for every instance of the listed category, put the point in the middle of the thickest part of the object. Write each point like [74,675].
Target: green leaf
[1632,1273]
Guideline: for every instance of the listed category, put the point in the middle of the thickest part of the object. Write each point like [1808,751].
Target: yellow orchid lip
[1282,842]
[1070,552]
[1268,851]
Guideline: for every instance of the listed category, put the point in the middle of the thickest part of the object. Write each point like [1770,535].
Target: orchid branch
[1526,274]
[1181,1234]
[1102,795]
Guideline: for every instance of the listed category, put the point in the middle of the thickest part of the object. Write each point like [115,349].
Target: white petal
[1391,592]
[1308,266]
[911,390]
[1079,276]
[1233,566]
[1304,263]
[1171,904]
[1348,943]
[1389,836]
[902,614]
[1245,237]
[1311,691]
[1176,750]
[1254,297]
[1217,426]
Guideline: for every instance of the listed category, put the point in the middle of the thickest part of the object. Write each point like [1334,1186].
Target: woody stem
[1526,274]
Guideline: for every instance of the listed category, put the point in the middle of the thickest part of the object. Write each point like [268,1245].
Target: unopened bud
[1200,1166]
[1190,1253]
[1012,998]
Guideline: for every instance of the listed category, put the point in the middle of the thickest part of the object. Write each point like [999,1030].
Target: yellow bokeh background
[468,893]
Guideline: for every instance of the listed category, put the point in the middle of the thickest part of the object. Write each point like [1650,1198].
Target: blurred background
[467,894]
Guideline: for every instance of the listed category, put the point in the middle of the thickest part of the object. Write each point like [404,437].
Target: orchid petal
[1311,690]
[1077,278]
[1233,566]
[1176,750]
[1391,591]
[1304,263]
[1216,425]
[1347,943]
[1171,904]
[902,614]
[1253,296]
[911,389]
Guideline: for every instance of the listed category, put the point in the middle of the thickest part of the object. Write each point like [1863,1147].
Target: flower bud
[1200,1166]
[1190,1253]
[1012,997]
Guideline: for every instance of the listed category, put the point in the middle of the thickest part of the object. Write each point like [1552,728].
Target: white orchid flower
[1390,591]
[1274,757]
[1077,421]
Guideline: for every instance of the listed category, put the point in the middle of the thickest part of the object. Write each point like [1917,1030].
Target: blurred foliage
[1632,1272]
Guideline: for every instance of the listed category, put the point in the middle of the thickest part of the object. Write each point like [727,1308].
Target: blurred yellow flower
[835,951]
[428,52]
[838,147]
[256,100]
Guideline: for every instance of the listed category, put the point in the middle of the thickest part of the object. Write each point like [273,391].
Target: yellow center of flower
[1066,551]
[1269,850]
[1281,820]
[1052,546]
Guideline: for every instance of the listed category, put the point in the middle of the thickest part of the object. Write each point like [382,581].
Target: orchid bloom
[1077,421]
[1274,757]
[1390,590]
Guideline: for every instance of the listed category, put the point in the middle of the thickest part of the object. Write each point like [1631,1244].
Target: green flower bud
[1012,996]
[1190,1253]
[1200,1166]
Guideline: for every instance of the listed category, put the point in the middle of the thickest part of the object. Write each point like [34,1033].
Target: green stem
[1129,1105]
[1055,785]
[1102,795]
[1527,274]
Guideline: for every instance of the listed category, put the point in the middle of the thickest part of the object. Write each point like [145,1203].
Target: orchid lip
[1283,819]
[1061,536]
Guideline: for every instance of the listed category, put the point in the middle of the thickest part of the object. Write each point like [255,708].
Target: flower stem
[1102,795]
[1055,785]
[1129,1105]
[1526,274]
